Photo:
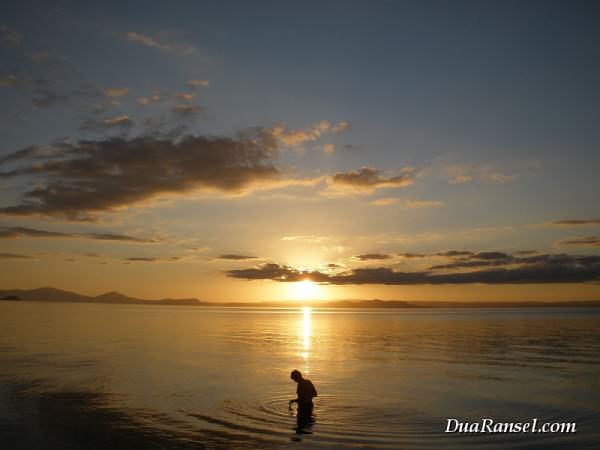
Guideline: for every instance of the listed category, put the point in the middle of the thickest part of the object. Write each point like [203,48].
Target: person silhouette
[305,391]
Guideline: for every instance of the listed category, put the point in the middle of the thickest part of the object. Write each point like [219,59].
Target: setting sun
[306,290]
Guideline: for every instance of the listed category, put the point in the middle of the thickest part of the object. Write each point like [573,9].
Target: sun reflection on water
[306,335]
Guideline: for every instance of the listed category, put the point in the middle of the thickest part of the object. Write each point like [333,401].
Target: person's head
[296,375]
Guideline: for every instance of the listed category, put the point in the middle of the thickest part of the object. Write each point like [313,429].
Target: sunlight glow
[305,290]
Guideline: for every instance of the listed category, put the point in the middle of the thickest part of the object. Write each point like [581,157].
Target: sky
[252,151]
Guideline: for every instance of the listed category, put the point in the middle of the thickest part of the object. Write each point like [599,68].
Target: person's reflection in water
[306,391]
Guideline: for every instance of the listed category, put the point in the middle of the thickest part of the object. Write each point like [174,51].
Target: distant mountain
[48,294]
[513,304]
[115,297]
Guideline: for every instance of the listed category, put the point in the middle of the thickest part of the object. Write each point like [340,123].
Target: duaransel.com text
[491,426]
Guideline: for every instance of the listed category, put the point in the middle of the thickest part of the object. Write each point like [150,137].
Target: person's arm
[314,391]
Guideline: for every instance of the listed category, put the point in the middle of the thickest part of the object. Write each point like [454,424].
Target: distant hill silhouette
[49,294]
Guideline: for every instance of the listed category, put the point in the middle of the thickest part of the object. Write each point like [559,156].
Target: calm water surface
[119,376]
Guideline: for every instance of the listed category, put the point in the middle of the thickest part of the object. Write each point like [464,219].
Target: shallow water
[120,376]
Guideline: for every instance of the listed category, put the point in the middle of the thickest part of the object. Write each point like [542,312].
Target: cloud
[197,83]
[487,259]
[461,175]
[490,255]
[76,180]
[185,96]
[152,98]
[24,232]
[20,232]
[340,127]
[122,122]
[148,41]
[412,255]
[463,259]
[591,241]
[469,264]
[267,271]
[32,152]
[10,36]
[368,178]
[576,222]
[547,269]
[186,110]
[454,253]
[372,257]
[118,121]
[116,92]
[494,177]
[423,204]
[235,257]
[460,178]
[410,204]
[145,40]
[307,238]
[153,259]
[13,256]
[329,149]
[385,201]
[525,252]
[11,80]
[115,237]
[295,138]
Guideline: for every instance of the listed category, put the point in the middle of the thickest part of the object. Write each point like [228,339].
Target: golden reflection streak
[306,334]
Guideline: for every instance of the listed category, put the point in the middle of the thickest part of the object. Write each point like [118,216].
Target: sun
[306,290]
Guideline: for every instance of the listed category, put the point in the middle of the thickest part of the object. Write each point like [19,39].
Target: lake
[126,377]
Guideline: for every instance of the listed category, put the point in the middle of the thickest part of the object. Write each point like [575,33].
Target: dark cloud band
[576,222]
[372,257]
[370,178]
[77,180]
[539,269]
[235,257]
[24,232]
